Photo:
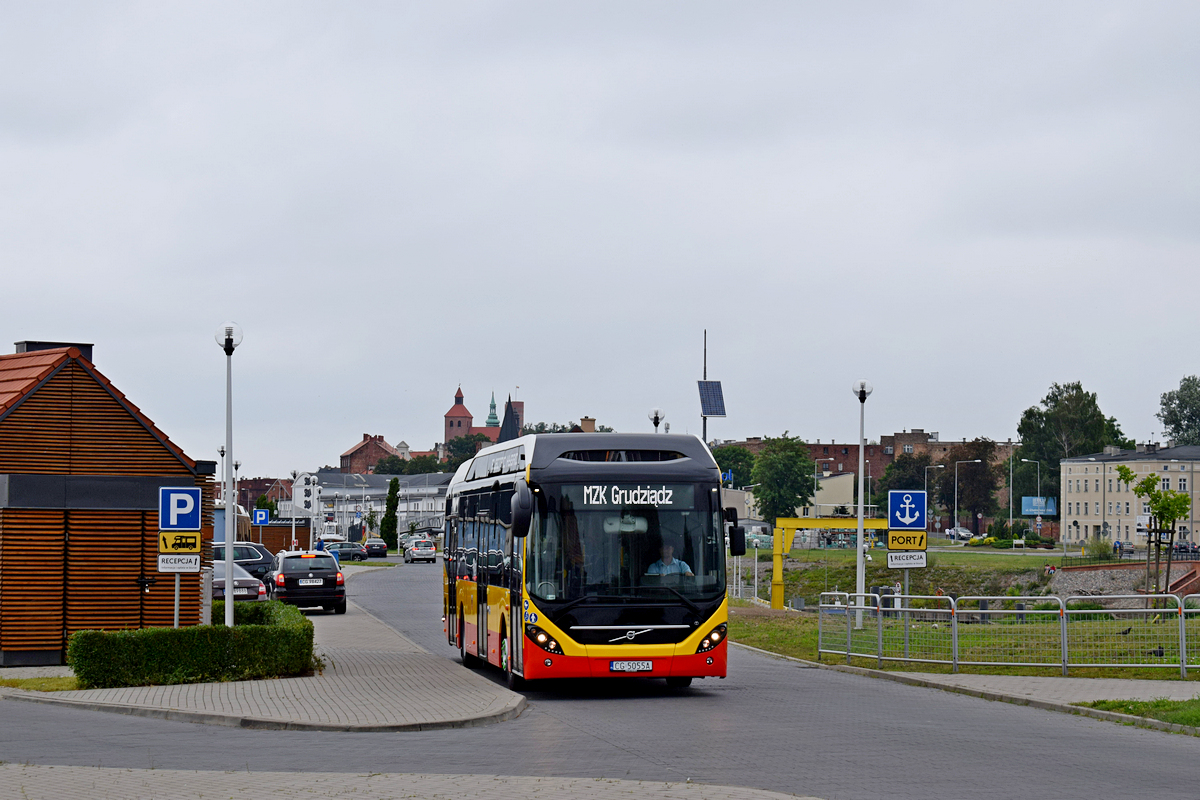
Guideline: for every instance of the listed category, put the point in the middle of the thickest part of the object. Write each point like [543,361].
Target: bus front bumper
[625,662]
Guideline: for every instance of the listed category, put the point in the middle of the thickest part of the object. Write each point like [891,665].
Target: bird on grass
[1158,651]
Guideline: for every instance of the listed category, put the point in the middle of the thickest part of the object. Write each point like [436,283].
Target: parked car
[307,579]
[420,550]
[245,585]
[347,551]
[376,548]
[250,556]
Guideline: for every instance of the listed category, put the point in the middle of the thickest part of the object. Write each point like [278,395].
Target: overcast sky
[960,202]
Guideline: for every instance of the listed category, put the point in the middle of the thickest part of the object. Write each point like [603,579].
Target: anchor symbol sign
[908,506]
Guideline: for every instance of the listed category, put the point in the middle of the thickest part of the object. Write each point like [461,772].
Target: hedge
[268,640]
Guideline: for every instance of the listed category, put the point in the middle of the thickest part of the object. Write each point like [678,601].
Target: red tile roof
[20,374]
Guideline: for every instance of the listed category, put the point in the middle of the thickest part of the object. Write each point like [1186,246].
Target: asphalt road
[771,725]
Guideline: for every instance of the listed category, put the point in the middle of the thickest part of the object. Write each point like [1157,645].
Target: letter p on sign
[179,508]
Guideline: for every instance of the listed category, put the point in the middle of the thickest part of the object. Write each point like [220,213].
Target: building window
[908,448]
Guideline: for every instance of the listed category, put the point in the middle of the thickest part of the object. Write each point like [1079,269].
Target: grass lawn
[41,684]
[795,635]
[1179,712]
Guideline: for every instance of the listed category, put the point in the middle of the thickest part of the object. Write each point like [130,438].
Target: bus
[589,555]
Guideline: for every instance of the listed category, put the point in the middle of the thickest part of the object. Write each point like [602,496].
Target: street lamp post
[935,466]
[956,463]
[861,390]
[229,336]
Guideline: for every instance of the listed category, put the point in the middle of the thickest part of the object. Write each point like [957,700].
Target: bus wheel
[515,682]
[679,683]
[468,660]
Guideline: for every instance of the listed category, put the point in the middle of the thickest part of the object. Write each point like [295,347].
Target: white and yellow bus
[589,555]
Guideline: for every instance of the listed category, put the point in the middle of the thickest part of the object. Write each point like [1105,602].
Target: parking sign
[179,508]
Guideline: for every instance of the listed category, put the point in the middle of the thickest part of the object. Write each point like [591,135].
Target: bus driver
[668,564]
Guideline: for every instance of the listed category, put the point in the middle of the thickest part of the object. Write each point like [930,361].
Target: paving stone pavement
[99,783]
[1066,690]
[411,689]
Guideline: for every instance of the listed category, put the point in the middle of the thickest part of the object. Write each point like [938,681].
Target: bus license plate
[311,581]
[630,666]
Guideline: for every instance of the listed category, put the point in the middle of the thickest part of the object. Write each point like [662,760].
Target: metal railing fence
[1162,631]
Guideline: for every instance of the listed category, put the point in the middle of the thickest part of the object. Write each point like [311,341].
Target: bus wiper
[678,594]
[586,598]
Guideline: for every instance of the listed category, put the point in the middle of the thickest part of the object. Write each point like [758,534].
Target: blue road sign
[179,508]
[262,516]
[906,510]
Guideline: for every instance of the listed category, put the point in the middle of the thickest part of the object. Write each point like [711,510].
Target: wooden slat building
[80,470]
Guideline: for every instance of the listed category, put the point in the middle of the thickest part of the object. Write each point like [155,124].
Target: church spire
[493,421]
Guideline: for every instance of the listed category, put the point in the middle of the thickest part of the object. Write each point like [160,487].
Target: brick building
[362,458]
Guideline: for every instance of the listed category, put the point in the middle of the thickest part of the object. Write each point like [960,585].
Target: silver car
[245,585]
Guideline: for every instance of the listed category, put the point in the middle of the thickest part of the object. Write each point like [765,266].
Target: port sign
[907,509]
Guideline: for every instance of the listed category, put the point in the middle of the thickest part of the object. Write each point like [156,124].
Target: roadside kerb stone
[374,680]
[937,681]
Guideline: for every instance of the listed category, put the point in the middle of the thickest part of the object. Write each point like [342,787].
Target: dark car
[245,585]
[250,556]
[308,579]
[347,551]
[420,550]
[376,548]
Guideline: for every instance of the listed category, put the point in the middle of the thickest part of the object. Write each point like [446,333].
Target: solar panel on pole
[712,401]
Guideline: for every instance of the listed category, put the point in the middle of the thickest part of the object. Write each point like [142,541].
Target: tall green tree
[1179,412]
[906,472]
[783,471]
[977,483]
[387,528]
[1068,422]
[461,448]
[737,460]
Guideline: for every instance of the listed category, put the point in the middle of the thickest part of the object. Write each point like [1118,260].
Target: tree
[391,465]
[461,448]
[1167,507]
[555,427]
[977,483]
[265,502]
[387,528]
[1180,412]
[1067,423]
[737,460]
[906,472]
[783,471]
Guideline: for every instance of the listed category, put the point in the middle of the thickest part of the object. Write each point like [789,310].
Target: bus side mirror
[737,540]
[522,509]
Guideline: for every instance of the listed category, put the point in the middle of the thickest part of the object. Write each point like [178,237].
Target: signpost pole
[176,599]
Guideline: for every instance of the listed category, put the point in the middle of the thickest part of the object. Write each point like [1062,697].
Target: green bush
[268,640]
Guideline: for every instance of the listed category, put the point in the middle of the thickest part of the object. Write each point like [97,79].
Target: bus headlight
[714,638]
[543,639]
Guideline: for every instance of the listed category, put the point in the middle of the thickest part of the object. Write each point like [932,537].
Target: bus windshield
[626,541]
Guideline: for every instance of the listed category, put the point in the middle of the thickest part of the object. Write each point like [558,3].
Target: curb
[1044,705]
[512,711]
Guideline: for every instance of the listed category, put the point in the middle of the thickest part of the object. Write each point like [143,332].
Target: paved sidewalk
[411,689]
[98,783]
[1065,690]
